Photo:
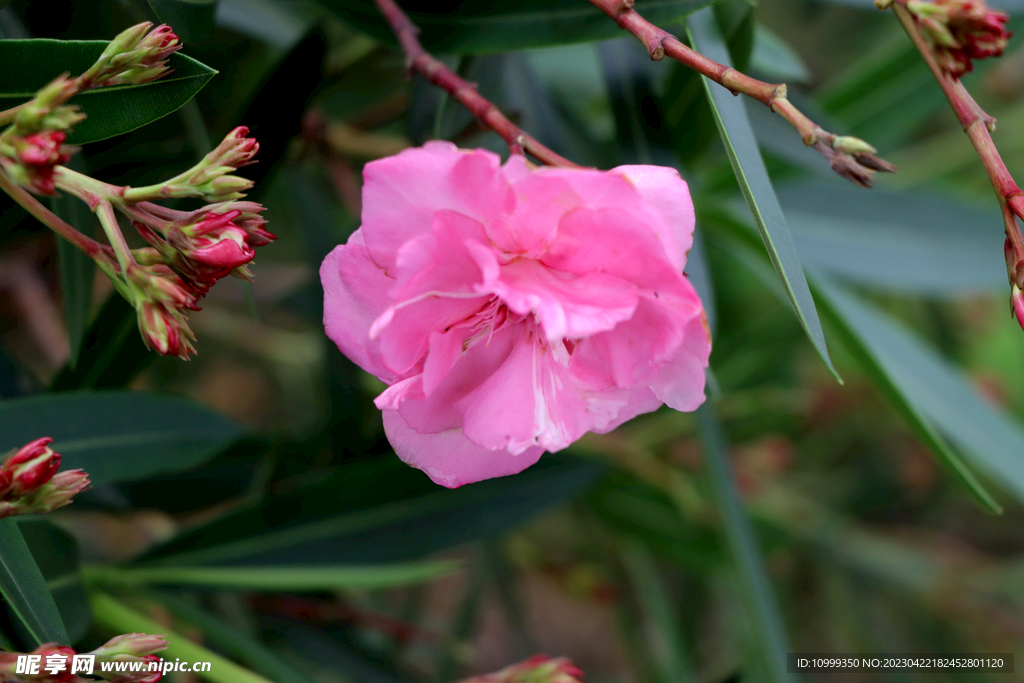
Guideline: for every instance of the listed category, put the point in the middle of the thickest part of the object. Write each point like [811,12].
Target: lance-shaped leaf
[752,176]
[118,435]
[24,590]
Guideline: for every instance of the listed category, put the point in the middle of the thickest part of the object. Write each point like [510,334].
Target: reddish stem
[976,124]
[94,249]
[419,60]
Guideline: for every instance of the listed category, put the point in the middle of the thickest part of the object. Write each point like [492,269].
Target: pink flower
[513,309]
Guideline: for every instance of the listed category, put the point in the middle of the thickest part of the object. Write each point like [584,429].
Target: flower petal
[668,194]
[449,458]
[355,293]
[402,193]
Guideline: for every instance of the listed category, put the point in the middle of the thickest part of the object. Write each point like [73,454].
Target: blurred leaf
[119,618]
[656,605]
[378,511]
[775,59]
[232,641]
[477,26]
[278,578]
[56,555]
[25,591]
[763,611]
[118,435]
[937,391]
[648,515]
[192,20]
[112,353]
[113,110]
[77,270]
[752,176]
[906,241]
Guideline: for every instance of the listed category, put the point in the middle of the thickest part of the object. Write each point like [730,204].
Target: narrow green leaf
[113,110]
[479,26]
[366,577]
[668,642]
[915,242]
[118,435]
[747,164]
[77,270]
[232,641]
[378,511]
[25,591]
[56,554]
[766,621]
[927,392]
[120,618]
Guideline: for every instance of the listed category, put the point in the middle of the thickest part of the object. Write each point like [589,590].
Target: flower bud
[1017,304]
[28,468]
[852,145]
[536,669]
[960,30]
[135,56]
[30,159]
[133,644]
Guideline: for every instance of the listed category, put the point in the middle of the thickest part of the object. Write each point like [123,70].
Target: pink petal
[438,410]
[402,193]
[355,293]
[449,458]
[681,384]
[549,408]
[439,260]
[541,201]
[668,194]
[615,242]
[631,353]
[568,306]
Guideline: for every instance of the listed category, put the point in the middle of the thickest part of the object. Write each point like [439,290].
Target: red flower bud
[28,468]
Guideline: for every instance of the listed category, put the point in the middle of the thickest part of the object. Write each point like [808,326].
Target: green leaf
[232,641]
[365,577]
[669,645]
[31,64]
[112,353]
[77,269]
[25,591]
[192,20]
[912,242]
[120,618]
[479,26]
[763,609]
[118,435]
[56,554]
[377,511]
[747,164]
[776,59]
[928,391]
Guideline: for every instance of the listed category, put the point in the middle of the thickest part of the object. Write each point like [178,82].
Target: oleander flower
[512,309]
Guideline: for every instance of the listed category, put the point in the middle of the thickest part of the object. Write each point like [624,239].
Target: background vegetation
[248,500]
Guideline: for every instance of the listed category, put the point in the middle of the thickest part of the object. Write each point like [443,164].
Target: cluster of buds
[53,663]
[136,56]
[210,179]
[30,484]
[161,299]
[536,669]
[852,158]
[33,145]
[960,30]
